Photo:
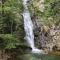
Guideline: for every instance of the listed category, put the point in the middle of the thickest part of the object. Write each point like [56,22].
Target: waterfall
[28,26]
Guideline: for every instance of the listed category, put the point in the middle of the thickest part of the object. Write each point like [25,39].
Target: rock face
[47,38]
[55,34]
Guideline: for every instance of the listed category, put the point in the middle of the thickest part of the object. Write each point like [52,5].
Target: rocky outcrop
[47,38]
[55,34]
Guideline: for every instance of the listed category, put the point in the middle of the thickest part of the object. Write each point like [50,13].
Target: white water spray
[28,26]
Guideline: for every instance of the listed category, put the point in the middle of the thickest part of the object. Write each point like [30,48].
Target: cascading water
[28,26]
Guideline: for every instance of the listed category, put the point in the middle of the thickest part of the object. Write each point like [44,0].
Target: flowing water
[28,26]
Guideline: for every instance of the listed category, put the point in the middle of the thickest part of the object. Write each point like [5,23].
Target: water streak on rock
[28,26]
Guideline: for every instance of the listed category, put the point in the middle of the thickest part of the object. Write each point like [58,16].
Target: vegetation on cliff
[11,21]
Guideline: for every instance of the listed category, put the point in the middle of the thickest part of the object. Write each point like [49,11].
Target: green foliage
[11,20]
[11,24]
[8,41]
[51,13]
[11,15]
[52,9]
